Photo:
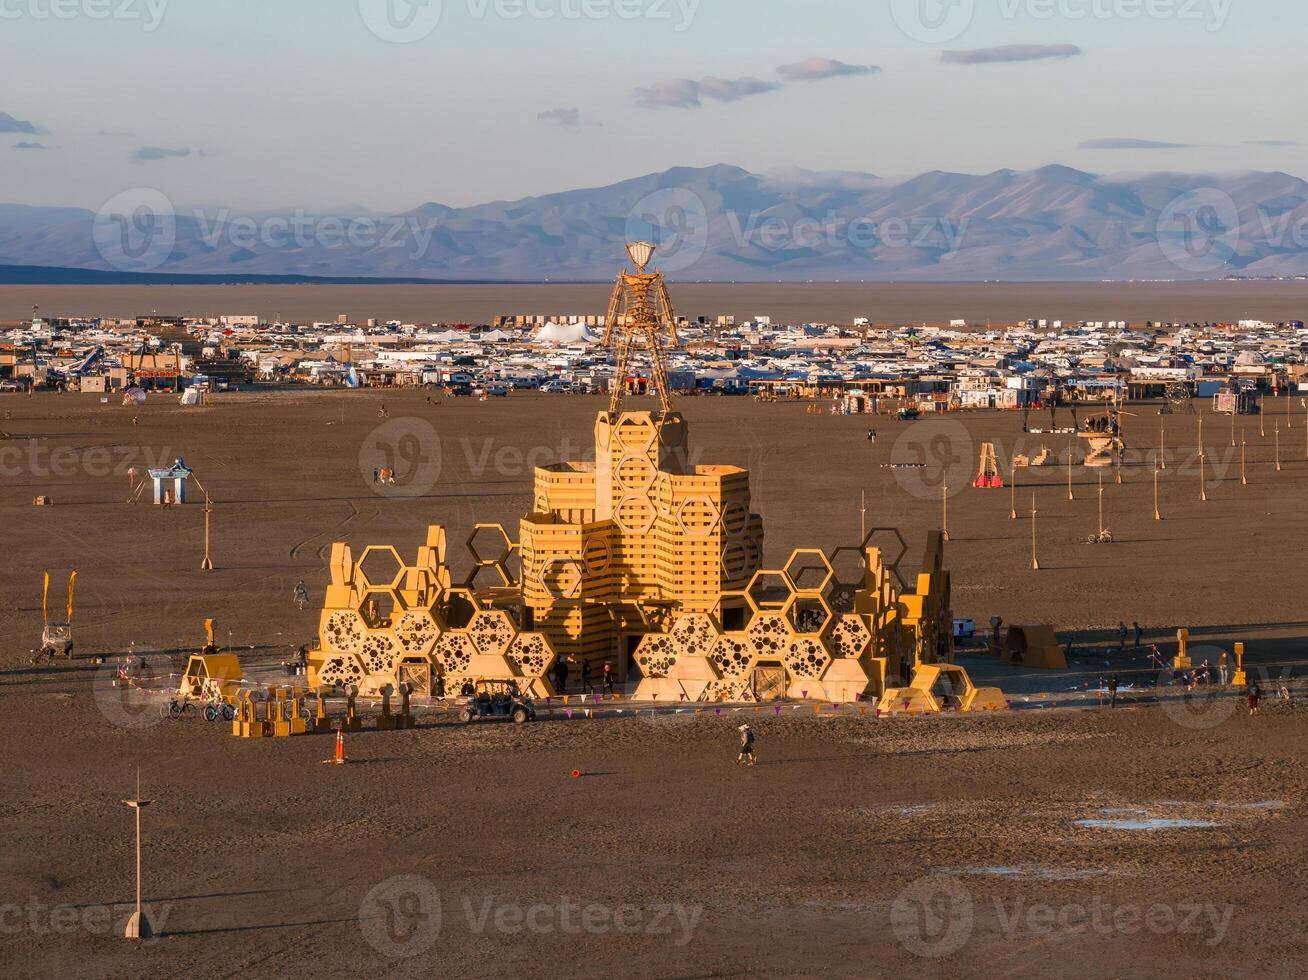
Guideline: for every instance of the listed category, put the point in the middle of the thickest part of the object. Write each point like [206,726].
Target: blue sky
[298,103]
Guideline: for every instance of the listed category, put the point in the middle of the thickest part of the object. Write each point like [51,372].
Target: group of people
[561,672]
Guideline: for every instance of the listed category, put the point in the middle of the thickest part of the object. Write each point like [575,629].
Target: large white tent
[565,333]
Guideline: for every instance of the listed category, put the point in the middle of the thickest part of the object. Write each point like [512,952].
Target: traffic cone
[576,774]
[338,758]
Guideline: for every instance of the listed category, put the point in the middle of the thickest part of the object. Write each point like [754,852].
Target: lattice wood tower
[640,316]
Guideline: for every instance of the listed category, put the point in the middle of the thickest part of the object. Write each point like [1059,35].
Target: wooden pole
[1158,514]
[1012,496]
[1244,476]
[1035,561]
[1071,456]
[1278,447]
[1203,482]
[1162,445]
[944,510]
[207,564]
[1101,505]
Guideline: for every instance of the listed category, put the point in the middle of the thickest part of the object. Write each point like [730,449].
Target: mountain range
[721,223]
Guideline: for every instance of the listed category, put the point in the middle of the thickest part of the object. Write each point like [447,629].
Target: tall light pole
[1278,446]
[1244,476]
[1162,444]
[944,509]
[1101,506]
[1203,457]
[138,926]
[1158,514]
[1012,496]
[1035,562]
[207,564]
[1071,457]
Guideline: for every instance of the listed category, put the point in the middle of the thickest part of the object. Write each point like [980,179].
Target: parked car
[557,387]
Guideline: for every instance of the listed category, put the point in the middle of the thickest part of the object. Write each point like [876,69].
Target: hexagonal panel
[695,634]
[460,606]
[454,651]
[734,655]
[808,570]
[416,631]
[768,589]
[491,632]
[808,614]
[735,561]
[380,567]
[341,670]
[561,578]
[698,517]
[343,631]
[379,608]
[892,546]
[735,517]
[807,657]
[490,544]
[656,655]
[635,515]
[635,474]
[531,654]
[770,634]
[380,654]
[635,434]
[849,637]
[598,554]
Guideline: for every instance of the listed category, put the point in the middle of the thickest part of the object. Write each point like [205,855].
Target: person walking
[1255,696]
[561,675]
[746,746]
[301,595]
[1139,634]
[1112,691]
[1223,669]
[608,678]
[585,676]
[1121,634]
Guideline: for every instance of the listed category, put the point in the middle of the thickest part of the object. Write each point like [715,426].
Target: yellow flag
[71,579]
[45,591]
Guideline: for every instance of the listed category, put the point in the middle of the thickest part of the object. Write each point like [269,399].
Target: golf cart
[56,638]
[497,699]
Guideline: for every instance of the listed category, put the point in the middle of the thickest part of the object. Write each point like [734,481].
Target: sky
[386,105]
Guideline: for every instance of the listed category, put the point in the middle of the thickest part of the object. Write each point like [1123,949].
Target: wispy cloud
[8,124]
[109,132]
[30,146]
[687,93]
[1133,144]
[149,154]
[566,118]
[1271,142]
[816,69]
[1010,53]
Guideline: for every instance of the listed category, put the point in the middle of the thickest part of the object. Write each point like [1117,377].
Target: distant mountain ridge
[723,223]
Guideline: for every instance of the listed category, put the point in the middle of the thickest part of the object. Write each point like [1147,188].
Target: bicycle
[176,708]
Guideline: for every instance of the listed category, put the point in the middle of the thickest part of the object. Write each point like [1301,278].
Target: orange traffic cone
[338,759]
[576,774]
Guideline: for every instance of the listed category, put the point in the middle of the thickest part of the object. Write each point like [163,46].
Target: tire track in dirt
[354,512]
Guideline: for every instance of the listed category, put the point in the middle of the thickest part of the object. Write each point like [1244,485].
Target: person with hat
[746,745]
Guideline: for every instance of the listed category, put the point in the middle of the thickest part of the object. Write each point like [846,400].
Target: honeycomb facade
[386,623]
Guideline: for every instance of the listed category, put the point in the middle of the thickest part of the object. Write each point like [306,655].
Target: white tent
[569,333]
